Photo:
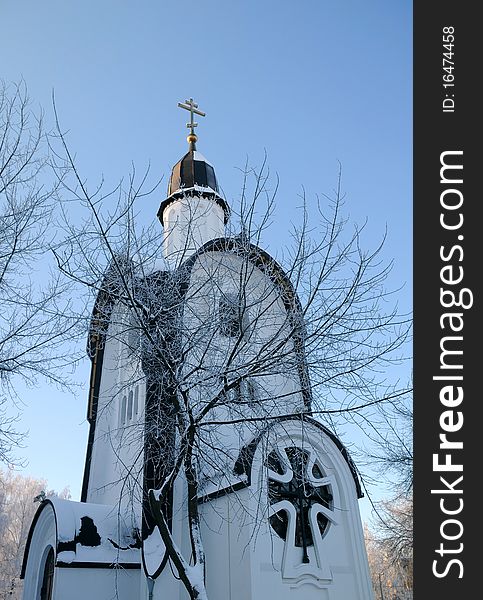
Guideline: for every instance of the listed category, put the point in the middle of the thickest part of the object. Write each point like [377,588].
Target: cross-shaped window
[303,490]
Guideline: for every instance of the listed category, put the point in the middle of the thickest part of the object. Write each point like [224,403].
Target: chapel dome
[193,170]
[193,175]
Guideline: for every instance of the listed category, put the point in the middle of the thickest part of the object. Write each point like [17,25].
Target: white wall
[266,353]
[73,582]
[246,560]
[44,537]
[117,458]
[190,222]
[96,584]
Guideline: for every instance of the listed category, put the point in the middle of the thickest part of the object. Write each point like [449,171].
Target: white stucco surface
[81,570]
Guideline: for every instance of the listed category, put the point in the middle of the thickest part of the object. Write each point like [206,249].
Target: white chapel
[206,476]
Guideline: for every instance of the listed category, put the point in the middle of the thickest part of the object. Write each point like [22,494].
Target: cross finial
[193,108]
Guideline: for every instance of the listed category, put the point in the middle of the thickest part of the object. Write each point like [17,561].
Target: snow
[200,188]
[158,264]
[196,577]
[188,191]
[110,525]
[198,156]
[65,519]
[153,551]
[67,556]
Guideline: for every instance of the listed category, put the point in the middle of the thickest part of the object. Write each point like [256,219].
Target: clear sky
[312,82]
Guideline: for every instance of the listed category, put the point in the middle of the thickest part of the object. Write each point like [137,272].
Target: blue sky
[311,83]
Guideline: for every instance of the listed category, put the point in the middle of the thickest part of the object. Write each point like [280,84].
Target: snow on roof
[93,533]
[198,156]
[198,189]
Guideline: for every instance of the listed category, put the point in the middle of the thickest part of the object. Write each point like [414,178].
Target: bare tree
[208,332]
[32,320]
[392,527]
[390,557]
[17,508]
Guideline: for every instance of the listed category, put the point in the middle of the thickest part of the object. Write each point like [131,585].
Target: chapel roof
[87,535]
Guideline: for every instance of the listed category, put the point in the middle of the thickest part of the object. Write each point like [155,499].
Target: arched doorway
[47,576]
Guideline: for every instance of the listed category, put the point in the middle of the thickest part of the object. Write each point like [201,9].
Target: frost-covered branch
[229,337]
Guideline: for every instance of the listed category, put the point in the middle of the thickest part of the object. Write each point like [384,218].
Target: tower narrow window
[133,334]
[129,405]
[136,400]
[245,392]
[232,316]
[122,412]
[251,391]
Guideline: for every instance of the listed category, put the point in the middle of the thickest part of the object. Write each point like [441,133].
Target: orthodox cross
[193,108]
[301,493]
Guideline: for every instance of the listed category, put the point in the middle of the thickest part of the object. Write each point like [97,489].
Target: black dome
[192,170]
[193,174]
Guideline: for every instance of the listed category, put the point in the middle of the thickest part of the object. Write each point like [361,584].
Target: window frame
[232,315]
[46,575]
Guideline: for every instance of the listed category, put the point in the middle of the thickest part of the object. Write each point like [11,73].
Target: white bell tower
[194,212]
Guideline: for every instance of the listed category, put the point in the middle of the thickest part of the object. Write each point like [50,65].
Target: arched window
[232,315]
[129,405]
[306,487]
[136,400]
[122,414]
[245,392]
[48,576]
[133,334]
[251,391]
